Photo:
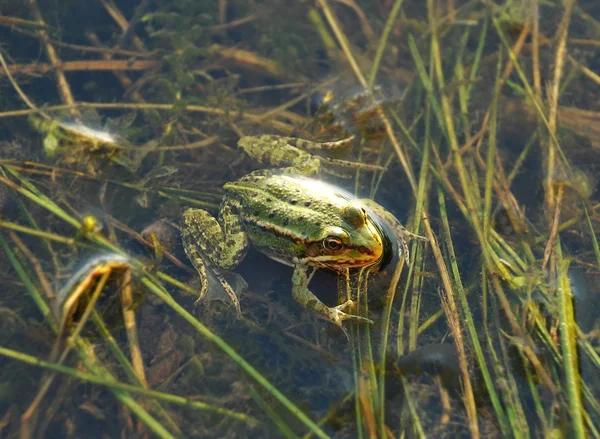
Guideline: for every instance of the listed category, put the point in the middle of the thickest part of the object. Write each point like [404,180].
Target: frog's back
[293,194]
[283,213]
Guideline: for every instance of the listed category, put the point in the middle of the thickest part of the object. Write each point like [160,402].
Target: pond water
[476,125]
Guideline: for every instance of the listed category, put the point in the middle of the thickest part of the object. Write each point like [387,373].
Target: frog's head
[356,240]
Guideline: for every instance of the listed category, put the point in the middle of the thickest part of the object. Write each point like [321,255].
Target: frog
[293,218]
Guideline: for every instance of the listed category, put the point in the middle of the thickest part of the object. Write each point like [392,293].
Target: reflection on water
[477,122]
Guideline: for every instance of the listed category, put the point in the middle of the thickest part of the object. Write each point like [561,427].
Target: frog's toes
[338,314]
[346,305]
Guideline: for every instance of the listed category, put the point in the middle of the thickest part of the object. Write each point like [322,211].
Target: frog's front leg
[223,242]
[307,299]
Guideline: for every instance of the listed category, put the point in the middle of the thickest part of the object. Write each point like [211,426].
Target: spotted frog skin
[295,220]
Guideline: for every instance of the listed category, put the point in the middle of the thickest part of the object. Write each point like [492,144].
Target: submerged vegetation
[482,119]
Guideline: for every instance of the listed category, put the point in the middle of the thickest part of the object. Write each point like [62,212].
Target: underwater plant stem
[592,233]
[126,365]
[553,96]
[19,90]
[356,370]
[385,331]
[516,328]
[38,233]
[63,85]
[166,297]
[470,405]
[507,387]
[284,429]
[557,203]
[89,65]
[15,21]
[280,109]
[135,19]
[39,199]
[343,41]
[389,25]
[417,281]
[538,105]
[35,263]
[95,379]
[29,418]
[535,50]
[568,341]
[491,154]
[317,21]
[516,49]
[333,413]
[137,360]
[469,321]
[366,391]
[29,286]
[452,315]
[414,416]
[125,81]
[88,358]
[366,28]
[114,11]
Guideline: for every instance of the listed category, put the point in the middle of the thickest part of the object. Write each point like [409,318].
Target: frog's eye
[333,244]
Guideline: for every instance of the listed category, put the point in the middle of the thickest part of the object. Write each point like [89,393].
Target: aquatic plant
[480,118]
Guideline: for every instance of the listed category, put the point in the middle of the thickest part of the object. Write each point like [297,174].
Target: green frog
[295,220]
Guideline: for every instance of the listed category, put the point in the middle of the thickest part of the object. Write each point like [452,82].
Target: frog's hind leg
[209,244]
[224,241]
[281,152]
[292,155]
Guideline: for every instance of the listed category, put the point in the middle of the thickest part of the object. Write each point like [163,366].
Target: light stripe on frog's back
[276,229]
[318,186]
[321,196]
[286,203]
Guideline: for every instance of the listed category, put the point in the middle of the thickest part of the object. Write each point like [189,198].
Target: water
[178,90]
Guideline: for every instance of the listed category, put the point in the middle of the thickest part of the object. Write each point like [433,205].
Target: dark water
[176,91]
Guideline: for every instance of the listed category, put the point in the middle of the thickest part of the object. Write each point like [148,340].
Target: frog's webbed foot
[336,315]
[223,286]
[213,282]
